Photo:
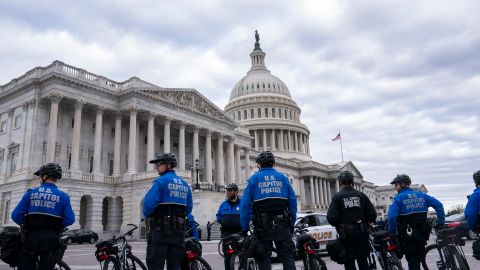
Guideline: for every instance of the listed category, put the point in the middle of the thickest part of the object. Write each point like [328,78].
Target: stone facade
[103,133]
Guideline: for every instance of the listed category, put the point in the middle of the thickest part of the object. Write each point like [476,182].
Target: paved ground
[81,257]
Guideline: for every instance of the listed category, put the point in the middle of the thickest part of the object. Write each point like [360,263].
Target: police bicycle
[241,250]
[116,253]
[193,253]
[307,247]
[446,253]
[384,247]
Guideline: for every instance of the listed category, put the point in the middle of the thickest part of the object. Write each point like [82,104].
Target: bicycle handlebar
[129,233]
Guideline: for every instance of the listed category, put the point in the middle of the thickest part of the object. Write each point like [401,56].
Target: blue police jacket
[46,199]
[267,183]
[191,224]
[472,210]
[227,208]
[409,202]
[168,188]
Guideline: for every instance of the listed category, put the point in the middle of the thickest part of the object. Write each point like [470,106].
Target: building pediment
[346,166]
[189,99]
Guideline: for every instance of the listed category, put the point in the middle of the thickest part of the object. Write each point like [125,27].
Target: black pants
[284,245]
[359,251]
[161,248]
[414,252]
[41,246]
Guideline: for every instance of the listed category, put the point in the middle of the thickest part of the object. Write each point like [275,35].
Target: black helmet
[345,177]
[401,179]
[476,177]
[231,186]
[265,158]
[167,158]
[52,170]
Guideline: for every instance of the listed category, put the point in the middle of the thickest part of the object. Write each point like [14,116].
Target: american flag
[338,137]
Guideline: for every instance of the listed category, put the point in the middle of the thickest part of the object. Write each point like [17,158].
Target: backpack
[10,249]
[337,251]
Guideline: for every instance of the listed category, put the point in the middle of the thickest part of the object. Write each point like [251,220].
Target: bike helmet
[346,177]
[231,186]
[476,177]
[401,179]
[52,170]
[265,158]
[167,158]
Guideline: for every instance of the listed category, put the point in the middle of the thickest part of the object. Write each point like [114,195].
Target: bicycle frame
[119,252]
[444,242]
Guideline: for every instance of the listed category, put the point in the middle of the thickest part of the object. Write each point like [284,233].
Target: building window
[112,132]
[285,113]
[239,115]
[93,127]
[73,122]
[266,112]
[233,115]
[3,127]
[6,212]
[259,113]
[244,114]
[251,114]
[17,123]
[14,160]
[273,112]
[2,158]
[110,163]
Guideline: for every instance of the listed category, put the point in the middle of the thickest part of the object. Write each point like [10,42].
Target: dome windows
[251,114]
[259,113]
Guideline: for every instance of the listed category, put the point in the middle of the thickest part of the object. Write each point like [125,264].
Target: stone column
[29,135]
[247,164]
[238,168]
[181,146]
[77,130]
[97,148]
[117,144]
[329,191]
[308,145]
[220,167]
[166,135]
[231,161]
[325,192]
[151,141]
[315,190]
[272,139]
[132,141]
[320,191]
[337,186]
[280,141]
[24,129]
[312,191]
[301,184]
[290,143]
[264,140]
[256,139]
[297,149]
[6,151]
[195,151]
[52,126]
[208,156]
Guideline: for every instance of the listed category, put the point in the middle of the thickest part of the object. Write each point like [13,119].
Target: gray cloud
[398,78]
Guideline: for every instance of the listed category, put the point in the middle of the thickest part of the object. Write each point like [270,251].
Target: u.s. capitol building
[103,132]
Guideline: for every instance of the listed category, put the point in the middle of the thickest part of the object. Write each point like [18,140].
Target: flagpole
[341,147]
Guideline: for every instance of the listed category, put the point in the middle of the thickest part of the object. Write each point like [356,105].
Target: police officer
[166,204]
[228,216]
[407,218]
[43,213]
[472,210]
[269,198]
[350,212]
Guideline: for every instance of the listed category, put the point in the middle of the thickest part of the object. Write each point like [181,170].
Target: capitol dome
[262,103]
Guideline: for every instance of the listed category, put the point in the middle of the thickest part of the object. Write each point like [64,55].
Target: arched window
[285,114]
[244,114]
[239,115]
[273,112]
[266,112]
[290,115]
[251,114]
[280,113]
[259,113]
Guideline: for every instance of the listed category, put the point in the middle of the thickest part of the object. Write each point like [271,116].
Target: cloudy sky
[400,79]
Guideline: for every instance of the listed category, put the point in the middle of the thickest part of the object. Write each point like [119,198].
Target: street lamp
[196,169]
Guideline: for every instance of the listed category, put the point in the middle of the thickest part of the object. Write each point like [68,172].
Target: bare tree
[456,209]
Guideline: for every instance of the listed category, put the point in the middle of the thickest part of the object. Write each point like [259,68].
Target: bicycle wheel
[220,248]
[135,263]
[393,262]
[313,263]
[110,264]
[61,265]
[235,261]
[458,261]
[199,264]
[433,258]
